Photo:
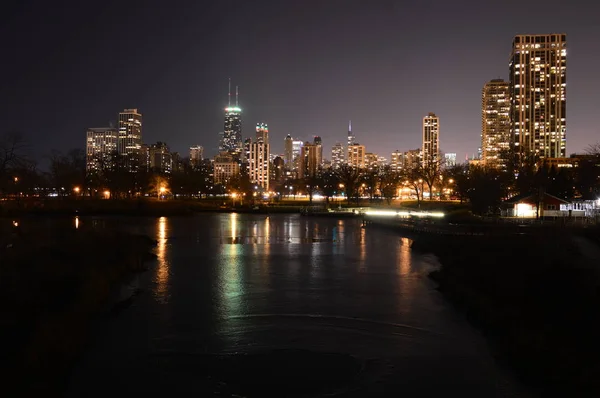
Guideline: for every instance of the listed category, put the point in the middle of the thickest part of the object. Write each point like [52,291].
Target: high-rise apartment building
[338,157]
[371,161]
[537,74]
[259,163]
[161,160]
[356,155]
[495,121]
[288,151]
[225,167]
[196,156]
[412,158]
[397,161]
[100,144]
[319,143]
[130,137]
[431,139]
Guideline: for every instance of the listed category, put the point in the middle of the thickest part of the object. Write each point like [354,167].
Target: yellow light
[16,179]
[233,194]
[107,194]
[163,189]
[76,189]
[15,223]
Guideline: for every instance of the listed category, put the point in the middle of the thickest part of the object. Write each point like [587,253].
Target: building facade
[262,133]
[196,156]
[495,121]
[231,141]
[537,74]
[431,139]
[100,144]
[161,160]
[397,161]
[259,164]
[412,158]
[288,151]
[130,136]
[356,155]
[338,157]
[225,167]
[351,140]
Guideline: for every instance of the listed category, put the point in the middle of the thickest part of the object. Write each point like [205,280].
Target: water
[254,305]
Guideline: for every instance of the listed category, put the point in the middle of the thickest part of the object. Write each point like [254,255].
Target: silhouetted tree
[388,183]
[349,176]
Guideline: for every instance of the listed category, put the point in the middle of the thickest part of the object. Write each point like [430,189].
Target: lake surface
[284,305]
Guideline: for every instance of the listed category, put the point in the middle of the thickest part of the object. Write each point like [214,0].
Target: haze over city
[304,68]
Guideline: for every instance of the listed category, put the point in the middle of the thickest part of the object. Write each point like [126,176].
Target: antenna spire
[229,94]
[349,125]
[237,93]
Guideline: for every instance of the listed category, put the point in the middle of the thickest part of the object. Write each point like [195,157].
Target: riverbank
[534,296]
[53,283]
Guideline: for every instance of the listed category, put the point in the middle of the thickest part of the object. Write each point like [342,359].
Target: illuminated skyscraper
[397,161]
[196,156]
[537,70]
[356,155]
[130,137]
[351,140]
[337,155]
[231,140]
[259,163]
[288,151]
[319,143]
[262,133]
[495,121]
[310,159]
[431,138]
[100,144]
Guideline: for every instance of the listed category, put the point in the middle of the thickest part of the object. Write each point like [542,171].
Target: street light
[162,191]
[76,190]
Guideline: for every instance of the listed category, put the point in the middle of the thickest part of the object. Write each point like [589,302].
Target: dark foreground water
[242,305]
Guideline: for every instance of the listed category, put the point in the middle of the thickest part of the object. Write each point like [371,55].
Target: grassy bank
[536,299]
[52,284]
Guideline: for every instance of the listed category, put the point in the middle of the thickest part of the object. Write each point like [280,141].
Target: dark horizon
[304,69]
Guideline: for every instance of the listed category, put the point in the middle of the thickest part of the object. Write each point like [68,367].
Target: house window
[551,207]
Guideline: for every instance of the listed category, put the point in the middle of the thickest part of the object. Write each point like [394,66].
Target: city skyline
[304,91]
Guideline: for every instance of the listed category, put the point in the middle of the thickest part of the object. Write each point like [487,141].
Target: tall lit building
[319,143]
[296,152]
[356,155]
[310,159]
[495,121]
[351,139]
[259,163]
[537,74]
[397,161]
[338,157]
[262,132]
[231,140]
[412,158]
[196,156]
[288,151]
[371,161]
[100,144]
[431,138]
[450,159]
[130,136]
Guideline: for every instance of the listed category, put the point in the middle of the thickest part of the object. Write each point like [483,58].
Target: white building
[431,138]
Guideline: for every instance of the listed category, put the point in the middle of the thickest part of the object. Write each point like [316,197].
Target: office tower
[161,160]
[130,137]
[431,137]
[310,159]
[100,144]
[145,157]
[196,156]
[495,121]
[351,139]
[537,74]
[371,161]
[278,172]
[259,164]
[356,155]
[231,140]
[225,167]
[262,133]
[450,159]
[296,151]
[288,151]
[337,155]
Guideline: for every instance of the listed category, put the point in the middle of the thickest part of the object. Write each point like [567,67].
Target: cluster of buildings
[527,113]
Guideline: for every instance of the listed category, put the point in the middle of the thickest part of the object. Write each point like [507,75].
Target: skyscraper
[356,155]
[196,155]
[495,121]
[431,139]
[130,137]
[319,143]
[259,163]
[161,159]
[310,159]
[231,141]
[351,139]
[537,73]
[397,161]
[100,144]
[262,133]
[288,151]
[337,155]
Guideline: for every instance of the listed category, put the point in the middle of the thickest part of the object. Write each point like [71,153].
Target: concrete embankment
[534,294]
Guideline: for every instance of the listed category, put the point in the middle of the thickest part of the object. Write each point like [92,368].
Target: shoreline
[533,296]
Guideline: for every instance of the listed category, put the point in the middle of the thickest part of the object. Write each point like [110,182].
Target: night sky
[305,67]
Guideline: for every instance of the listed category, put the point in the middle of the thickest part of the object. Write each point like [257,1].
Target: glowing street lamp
[76,190]
[106,194]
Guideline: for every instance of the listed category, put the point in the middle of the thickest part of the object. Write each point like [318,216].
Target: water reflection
[404,257]
[161,279]
[363,249]
[76,222]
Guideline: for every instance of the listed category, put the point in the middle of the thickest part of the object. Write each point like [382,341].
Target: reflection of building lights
[76,222]
[162,271]
[233,220]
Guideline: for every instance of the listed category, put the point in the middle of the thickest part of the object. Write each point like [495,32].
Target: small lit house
[526,206]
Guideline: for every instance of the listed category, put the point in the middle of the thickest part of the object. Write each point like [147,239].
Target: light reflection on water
[161,278]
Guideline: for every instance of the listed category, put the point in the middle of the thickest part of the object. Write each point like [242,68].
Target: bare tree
[593,149]
[388,183]
[12,152]
[413,178]
[430,172]
[349,177]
